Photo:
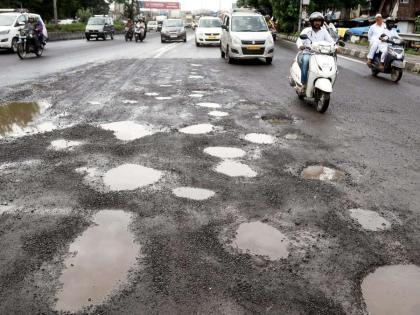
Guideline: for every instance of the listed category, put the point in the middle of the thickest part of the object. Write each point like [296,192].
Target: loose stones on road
[258,238]
[193,193]
[91,272]
[393,290]
[131,177]
[369,220]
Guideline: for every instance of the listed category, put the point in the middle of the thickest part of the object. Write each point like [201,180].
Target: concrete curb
[359,54]
[58,36]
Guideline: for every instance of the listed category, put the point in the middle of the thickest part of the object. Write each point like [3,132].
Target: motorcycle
[27,43]
[394,60]
[129,33]
[322,73]
[139,33]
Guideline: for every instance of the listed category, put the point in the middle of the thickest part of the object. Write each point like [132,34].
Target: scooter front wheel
[323,102]
[396,74]
[21,51]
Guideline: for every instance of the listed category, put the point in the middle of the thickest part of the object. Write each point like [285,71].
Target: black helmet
[390,22]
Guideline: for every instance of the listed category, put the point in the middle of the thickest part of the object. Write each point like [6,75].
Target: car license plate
[212,37]
[253,47]
[174,36]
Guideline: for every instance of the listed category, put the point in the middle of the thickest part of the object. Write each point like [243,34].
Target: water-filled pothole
[193,193]
[131,177]
[163,98]
[277,119]
[151,94]
[260,138]
[197,129]
[209,105]
[323,173]
[129,102]
[196,77]
[128,130]
[235,169]
[225,152]
[217,113]
[99,262]
[370,220]
[16,119]
[196,95]
[258,238]
[62,144]
[393,290]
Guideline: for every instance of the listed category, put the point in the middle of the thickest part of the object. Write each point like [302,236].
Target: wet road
[211,186]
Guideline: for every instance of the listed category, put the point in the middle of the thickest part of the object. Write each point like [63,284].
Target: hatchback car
[100,26]
[246,36]
[173,30]
[208,31]
[152,26]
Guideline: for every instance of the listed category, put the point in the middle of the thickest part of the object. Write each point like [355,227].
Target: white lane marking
[164,50]
[351,59]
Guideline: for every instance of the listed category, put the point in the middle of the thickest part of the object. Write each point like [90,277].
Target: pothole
[17,119]
[128,130]
[151,94]
[235,169]
[277,119]
[260,138]
[129,102]
[209,105]
[196,77]
[196,65]
[217,113]
[94,103]
[393,290]
[163,98]
[166,85]
[193,193]
[98,263]
[322,173]
[131,177]
[196,95]
[258,238]
[369,220]
[197,129]
[225,152]
[292,136]
[62,144]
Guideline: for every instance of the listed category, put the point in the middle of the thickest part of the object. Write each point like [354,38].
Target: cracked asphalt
[187,263]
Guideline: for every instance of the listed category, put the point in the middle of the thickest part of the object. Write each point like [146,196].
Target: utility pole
[55,11]
[300,16]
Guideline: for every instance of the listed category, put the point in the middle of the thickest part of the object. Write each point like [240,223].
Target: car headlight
[236,40]
[4,32]
[270,40]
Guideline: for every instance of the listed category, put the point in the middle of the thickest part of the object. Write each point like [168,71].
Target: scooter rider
[381,44]
[36,26]
[375,31]
[315,34]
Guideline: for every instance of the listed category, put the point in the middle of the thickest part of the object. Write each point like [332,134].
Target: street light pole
[55,11]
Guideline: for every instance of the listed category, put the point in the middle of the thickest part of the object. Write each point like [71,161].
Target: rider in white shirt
[375,31]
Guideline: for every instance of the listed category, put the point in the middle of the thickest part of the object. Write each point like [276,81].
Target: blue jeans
[303,60]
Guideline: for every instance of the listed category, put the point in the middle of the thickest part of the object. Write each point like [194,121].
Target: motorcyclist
[36,25]
[375,31]
[129,25]
[381,44]
[315,34]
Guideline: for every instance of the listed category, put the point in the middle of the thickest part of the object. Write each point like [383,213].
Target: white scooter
[322,74]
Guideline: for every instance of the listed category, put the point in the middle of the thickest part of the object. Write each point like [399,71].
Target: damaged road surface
[174,183]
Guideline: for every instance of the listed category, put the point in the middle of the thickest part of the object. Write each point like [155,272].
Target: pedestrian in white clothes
[375,31]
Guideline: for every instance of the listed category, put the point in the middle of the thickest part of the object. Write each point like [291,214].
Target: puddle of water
[163,98]
[196,65]
[199,92]
[131,177]
[193,193]
[235,169]
[196,77]
[217,113]
[292,136]
[16,118]
[209,105]
[129,102]
[277,119]
[225,152]
[258,238]
[197,129]
[99,262]
[94,103]
[196,95]
[63,144]
[393,290]
[128,130]
[166,85]
[151,94]
[260,138]
[322,173]
[369,220]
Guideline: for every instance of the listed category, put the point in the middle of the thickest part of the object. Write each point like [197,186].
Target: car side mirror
[20,24]
[341,43]
[303,37]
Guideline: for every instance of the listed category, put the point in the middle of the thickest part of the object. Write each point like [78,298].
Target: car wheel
[197,44]
[14,45]
[185,39]
[88,38]
[268,61]
[104,37]
[112,36]
[228,58]
[222,53]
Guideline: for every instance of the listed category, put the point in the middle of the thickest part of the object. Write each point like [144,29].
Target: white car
[152,25]
[246,36]
[10,26]
[208,31]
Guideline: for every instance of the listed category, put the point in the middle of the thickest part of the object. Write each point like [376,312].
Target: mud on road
[189,256]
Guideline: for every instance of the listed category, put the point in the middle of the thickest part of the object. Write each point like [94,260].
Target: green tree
[83,15]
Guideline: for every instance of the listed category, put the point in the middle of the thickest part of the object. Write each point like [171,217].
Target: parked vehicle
[100,26]
[173,30]
[394,60]
[10,25]
[209,31]
[28,42]
[246,36]
[321,75]
[152,25]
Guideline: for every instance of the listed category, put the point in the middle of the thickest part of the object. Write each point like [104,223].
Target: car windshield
[96,21]
[7,20]
[254,23]
[173,23]
[207,23]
